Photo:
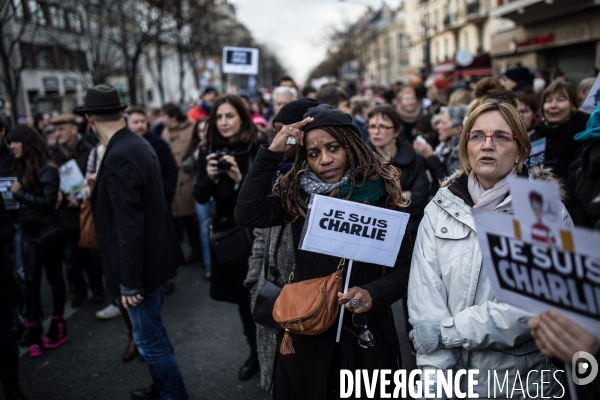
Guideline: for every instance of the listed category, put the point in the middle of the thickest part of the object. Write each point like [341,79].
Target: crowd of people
[231,176]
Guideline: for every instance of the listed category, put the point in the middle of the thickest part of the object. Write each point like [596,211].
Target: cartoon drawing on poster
[536,263]
[538,209]
[540,233]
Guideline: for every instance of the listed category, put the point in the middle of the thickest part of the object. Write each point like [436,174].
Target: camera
[222,165]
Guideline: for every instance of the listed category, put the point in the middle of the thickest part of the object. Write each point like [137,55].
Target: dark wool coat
[587,191]
[413,178]
[81,154]
[6,158]
[8,286]
[137,240]
[561,147]
[168,166]
[225,285]
[304,375]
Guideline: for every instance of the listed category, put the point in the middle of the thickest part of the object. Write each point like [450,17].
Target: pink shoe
[35,351]
[57,334]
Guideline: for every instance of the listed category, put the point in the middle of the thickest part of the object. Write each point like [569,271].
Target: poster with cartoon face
[538,209]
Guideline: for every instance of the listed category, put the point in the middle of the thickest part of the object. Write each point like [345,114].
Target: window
[74,21]
[66,60]
[36,13]
[57,17]
[18,4]
[45,58]
[446,50]
[402,45]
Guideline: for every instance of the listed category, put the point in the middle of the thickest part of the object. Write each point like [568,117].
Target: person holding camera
[223,162]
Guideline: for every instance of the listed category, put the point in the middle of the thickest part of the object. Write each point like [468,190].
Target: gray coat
[281,260]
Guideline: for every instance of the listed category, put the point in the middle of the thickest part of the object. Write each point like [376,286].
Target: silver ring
[290,128]
[354,303]
[291,140]
[213,168]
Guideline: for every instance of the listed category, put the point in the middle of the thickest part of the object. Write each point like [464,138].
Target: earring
[516,162]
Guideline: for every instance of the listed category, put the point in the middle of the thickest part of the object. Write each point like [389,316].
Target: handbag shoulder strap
[266,252]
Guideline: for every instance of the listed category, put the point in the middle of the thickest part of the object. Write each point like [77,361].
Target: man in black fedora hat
[138,244]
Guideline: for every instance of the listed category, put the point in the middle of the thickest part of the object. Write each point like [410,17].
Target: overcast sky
[297,30]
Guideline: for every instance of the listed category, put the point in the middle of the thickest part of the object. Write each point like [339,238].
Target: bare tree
[102,57]
[139,24]
[17,37]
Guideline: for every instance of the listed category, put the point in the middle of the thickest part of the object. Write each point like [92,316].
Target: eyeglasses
[365,338]
[380,127]
[524,111]
[497,138]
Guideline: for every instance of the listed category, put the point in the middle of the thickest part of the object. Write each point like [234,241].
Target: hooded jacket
[449,284]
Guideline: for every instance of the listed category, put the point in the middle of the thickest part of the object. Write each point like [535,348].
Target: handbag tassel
[286,344]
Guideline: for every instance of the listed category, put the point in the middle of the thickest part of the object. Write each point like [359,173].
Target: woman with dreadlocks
[332,160]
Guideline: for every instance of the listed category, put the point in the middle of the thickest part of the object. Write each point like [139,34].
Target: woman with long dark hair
[334,161]
[43,236]
[223,162]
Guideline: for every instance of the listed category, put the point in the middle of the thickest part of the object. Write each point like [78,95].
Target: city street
[206,334]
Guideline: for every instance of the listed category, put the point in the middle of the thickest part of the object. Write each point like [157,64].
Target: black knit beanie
[520,74]
[325,115]
[293,111]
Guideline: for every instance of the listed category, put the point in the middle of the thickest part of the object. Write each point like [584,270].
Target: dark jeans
[192,229]
[43,249]
[79,260]
[150,337]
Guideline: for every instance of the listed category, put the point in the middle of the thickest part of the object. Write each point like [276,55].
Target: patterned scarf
[368,192]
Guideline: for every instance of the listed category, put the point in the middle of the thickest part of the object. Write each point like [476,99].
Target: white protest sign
[536,275]
[538,209]
[9,198]
[240,60]
[592,100]
[352,230]
[537,154]
[71,178]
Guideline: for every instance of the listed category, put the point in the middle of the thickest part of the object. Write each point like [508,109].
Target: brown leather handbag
[87,229]
[309,307]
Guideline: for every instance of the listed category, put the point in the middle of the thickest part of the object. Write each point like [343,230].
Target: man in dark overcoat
[138,244]
[69,146]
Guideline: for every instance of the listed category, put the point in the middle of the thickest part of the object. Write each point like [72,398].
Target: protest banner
[593,97]
[536,263]
[9,199]
[240,60]
[354,231]
[71,178]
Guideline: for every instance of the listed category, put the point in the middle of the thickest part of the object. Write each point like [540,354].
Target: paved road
[206,334]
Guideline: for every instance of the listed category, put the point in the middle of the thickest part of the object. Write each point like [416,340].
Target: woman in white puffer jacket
[458,323]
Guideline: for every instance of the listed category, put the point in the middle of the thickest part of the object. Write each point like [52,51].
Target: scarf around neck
[488,199]
[69,150]
[369,191]
[409,117]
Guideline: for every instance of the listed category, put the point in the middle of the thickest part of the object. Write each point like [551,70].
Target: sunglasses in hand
[365,338]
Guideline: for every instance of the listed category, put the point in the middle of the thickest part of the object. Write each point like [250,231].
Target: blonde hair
[460,96]
[514,121]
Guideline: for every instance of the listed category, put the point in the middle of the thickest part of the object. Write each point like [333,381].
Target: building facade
[437,29]
[548,35]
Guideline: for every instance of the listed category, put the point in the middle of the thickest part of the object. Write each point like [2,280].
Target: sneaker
[35,337]
[109,312]
[57,334]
